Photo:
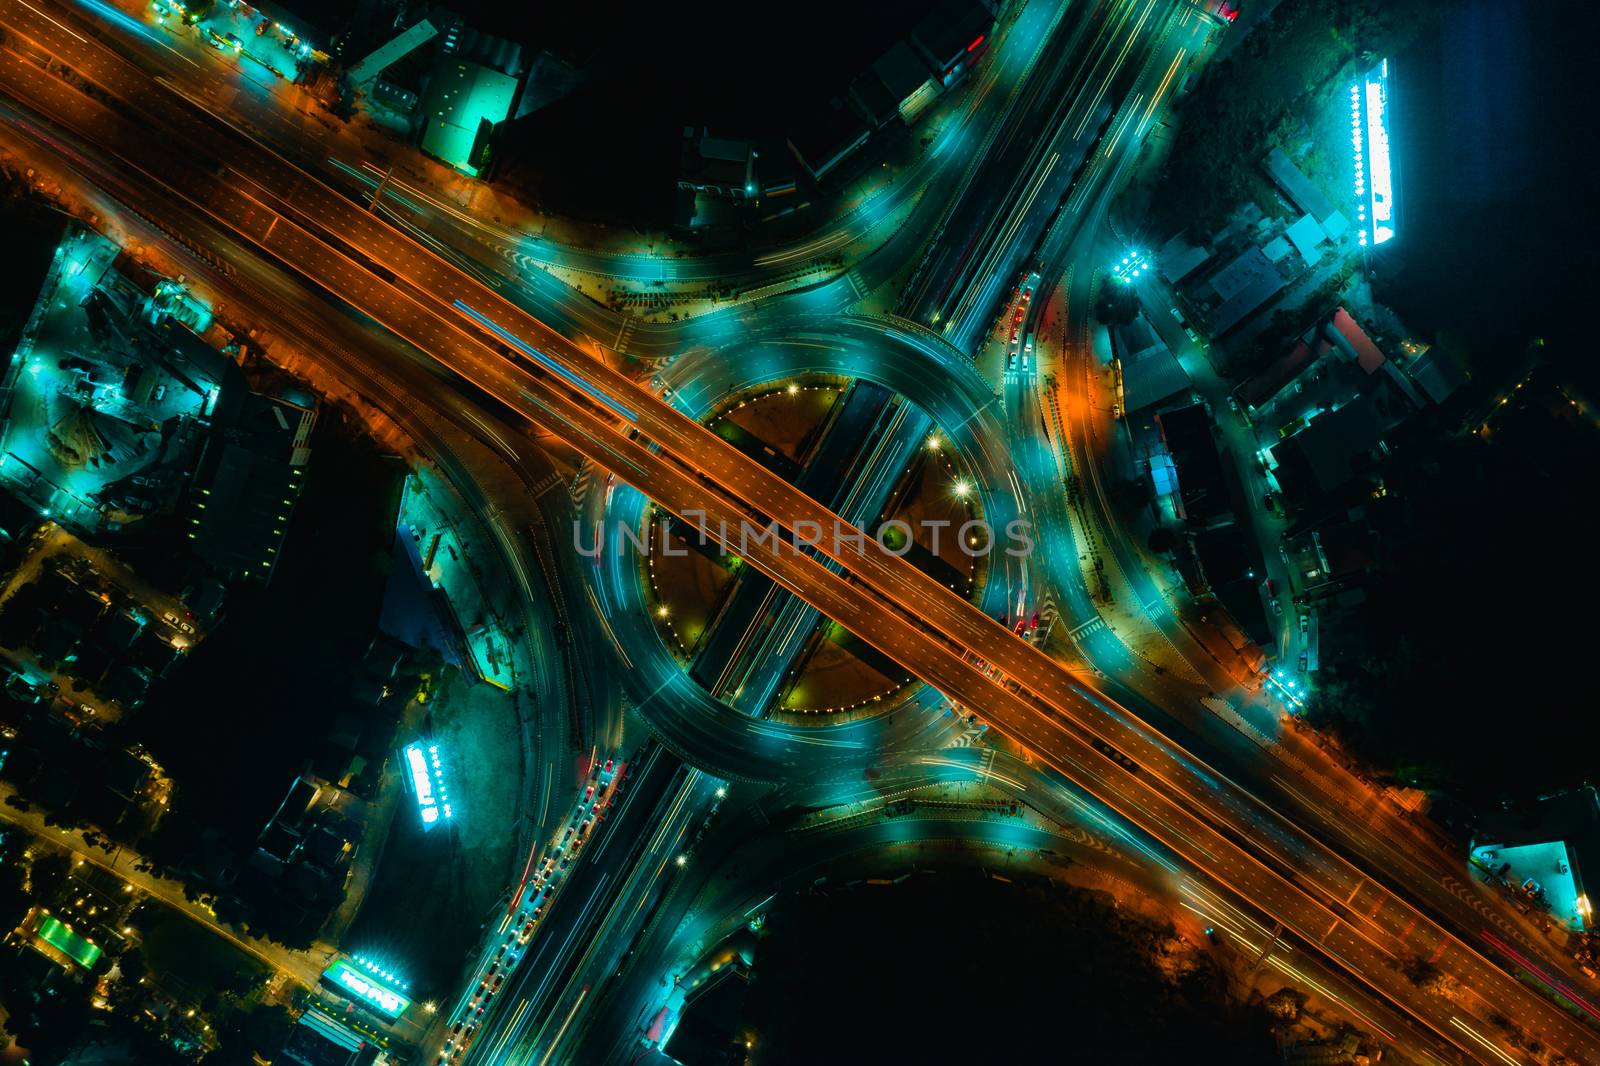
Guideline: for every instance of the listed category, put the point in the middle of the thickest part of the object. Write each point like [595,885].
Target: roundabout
[901,437]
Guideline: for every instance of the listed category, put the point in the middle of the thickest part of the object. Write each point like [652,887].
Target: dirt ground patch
[434,888]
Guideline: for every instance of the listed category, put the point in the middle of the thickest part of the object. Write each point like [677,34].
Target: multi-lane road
[1355,911]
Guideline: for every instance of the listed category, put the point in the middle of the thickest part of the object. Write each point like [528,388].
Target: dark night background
[960,968]
[610,151]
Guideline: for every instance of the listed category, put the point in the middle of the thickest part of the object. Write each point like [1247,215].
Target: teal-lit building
[463,104]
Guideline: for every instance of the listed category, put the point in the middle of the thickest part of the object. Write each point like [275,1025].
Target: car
[157,393]
[498,981]
[588,792]
[609,764]
[170,617]
[1211,935]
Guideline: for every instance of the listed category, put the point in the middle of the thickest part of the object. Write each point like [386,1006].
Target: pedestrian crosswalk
[579,486]
[625,334]
[1086,629]
[546,483]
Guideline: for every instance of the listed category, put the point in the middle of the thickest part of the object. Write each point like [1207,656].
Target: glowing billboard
[1374,167]
[366,987]
[427,783]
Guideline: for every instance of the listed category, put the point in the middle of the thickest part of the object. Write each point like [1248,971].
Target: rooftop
[1300,190]
[463,102]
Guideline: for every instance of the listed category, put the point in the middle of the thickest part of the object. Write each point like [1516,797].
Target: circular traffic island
[873,458]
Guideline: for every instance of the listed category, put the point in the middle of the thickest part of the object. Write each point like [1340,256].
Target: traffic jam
[531,903]
[1019,345]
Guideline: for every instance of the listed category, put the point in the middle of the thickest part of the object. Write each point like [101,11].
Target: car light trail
[1480,1039]
[1555,984]
[545,361]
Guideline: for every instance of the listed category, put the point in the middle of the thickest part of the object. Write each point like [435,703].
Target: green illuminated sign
[360,985]
[60,936]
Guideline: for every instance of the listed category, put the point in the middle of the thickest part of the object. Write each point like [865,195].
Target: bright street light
[1133,264]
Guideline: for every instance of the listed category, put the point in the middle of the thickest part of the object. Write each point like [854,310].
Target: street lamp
[962,489]
[1133,264]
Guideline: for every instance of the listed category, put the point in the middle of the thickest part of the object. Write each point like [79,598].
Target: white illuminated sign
[427,781]
[1374,169]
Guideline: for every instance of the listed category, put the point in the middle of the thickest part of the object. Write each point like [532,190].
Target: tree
[48,873]
[260,1031]
[133,966]
[1118,305]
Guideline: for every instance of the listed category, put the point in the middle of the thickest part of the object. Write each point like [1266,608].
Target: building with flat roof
[951,37]
[249,479]
[462,105]
[1545,852]
[906,79]
[1331,450]
[1301,190]
[1150,372]
[1177,259]
[1202,489]
[1436,374]
[319,1039]
[826,137]
[1306,236]
[1236,290]
[718,166]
